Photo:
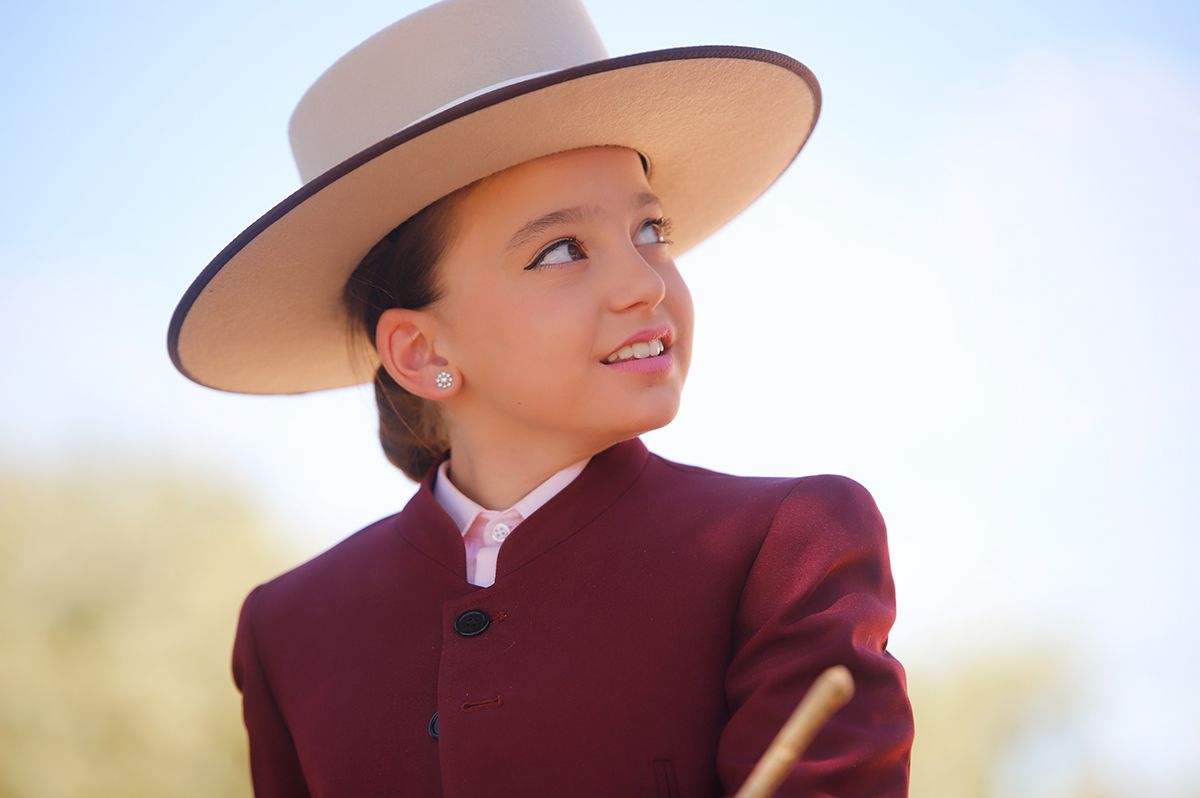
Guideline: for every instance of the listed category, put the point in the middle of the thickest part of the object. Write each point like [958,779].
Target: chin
[651,418]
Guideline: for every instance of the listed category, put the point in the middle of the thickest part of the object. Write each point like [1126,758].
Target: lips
[663,332]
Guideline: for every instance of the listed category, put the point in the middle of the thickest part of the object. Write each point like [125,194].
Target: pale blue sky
[974,292]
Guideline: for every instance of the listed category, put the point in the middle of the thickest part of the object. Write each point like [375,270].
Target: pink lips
[645,365]
[662,332]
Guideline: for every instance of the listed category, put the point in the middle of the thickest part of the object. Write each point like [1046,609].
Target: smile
[640,350]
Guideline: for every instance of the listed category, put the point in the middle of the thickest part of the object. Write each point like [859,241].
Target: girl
[557,610]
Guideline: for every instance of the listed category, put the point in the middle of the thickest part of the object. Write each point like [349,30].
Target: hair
[401,271]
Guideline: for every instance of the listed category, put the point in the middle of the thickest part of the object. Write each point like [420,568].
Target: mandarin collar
[426,525]
[463,509]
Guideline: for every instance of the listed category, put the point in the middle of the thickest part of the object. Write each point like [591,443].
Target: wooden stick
[829,693]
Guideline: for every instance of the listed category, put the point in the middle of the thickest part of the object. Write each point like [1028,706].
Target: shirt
[483,530]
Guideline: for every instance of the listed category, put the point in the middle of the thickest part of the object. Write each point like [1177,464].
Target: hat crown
[429,60]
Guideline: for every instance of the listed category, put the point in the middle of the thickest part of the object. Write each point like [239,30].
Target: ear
[403,341]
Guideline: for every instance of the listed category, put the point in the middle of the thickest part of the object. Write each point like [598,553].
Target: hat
[439,99]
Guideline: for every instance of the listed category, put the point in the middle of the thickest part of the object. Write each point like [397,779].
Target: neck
[497,470]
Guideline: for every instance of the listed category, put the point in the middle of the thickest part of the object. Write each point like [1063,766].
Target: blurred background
[974,292]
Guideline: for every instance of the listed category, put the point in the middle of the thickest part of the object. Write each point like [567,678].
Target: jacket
[650,629]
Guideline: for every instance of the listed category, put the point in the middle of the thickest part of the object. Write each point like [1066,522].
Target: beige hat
[445,96]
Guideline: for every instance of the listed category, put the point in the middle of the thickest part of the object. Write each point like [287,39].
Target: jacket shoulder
[840,504]
[834,493]
[343,564]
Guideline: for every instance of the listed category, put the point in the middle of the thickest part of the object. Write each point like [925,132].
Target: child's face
[529,343]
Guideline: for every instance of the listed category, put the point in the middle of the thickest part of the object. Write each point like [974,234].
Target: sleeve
[274,766]
[820,593]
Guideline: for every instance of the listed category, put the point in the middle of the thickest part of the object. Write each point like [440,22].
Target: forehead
[587,176]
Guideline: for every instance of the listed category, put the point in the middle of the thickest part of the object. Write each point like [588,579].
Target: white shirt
[483,530]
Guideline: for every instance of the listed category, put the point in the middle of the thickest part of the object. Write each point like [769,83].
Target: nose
[636,280]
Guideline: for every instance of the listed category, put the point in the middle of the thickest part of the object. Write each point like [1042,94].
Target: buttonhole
[471,706]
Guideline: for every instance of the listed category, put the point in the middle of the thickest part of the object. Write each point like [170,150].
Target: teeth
[639,350]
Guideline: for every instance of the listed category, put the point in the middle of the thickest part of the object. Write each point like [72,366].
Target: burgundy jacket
[651,628]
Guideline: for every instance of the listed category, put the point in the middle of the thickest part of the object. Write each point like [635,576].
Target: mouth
[642,345]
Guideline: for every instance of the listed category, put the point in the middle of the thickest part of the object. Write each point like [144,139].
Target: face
[556,263]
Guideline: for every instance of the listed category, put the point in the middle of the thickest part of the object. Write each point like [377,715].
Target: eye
[559,253]
[569,250]
[659,227]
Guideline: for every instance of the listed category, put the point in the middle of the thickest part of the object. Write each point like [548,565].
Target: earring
[444,379]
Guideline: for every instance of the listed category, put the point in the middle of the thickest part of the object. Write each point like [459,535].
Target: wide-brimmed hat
[452,93]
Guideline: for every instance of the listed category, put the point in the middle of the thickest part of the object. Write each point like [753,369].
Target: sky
[973,292]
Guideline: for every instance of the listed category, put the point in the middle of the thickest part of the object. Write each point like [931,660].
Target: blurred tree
[119,592]
[979,719]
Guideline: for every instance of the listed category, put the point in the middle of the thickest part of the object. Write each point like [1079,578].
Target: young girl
[557,610]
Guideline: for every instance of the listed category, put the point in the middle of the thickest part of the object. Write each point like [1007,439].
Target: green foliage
[119,592]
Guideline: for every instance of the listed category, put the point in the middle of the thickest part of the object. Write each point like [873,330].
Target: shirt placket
[488,532]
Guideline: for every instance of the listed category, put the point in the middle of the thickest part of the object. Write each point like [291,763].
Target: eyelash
[663,223]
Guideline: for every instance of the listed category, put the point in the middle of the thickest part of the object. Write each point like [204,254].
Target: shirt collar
[463,509]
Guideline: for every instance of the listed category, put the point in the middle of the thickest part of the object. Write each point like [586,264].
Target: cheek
[678,293]
[679,300]
[679,304]
[533,344]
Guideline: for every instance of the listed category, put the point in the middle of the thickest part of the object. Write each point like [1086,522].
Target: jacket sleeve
[820,593]
[274,766]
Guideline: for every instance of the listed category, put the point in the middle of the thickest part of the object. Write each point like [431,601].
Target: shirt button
[500,531]
[472,622]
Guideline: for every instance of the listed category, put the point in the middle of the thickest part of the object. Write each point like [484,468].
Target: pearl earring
[444,379]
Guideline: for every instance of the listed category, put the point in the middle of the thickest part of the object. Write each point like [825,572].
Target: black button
[472,622]
[433,726]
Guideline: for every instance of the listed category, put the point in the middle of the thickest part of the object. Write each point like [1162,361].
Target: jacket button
[472,622]
[433,726]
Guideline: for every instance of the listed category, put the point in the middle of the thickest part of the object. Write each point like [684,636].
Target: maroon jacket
[650,629]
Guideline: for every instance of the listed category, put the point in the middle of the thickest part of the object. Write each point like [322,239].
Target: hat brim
[719,124]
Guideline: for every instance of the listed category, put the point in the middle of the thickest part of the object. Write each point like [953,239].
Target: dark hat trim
[466,108]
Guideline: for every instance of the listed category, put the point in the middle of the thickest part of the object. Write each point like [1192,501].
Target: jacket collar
[426,525]
[463,509]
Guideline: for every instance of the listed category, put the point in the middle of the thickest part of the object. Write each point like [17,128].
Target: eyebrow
[577,213]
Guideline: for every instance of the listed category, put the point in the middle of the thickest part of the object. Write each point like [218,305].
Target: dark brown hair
[401,271]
